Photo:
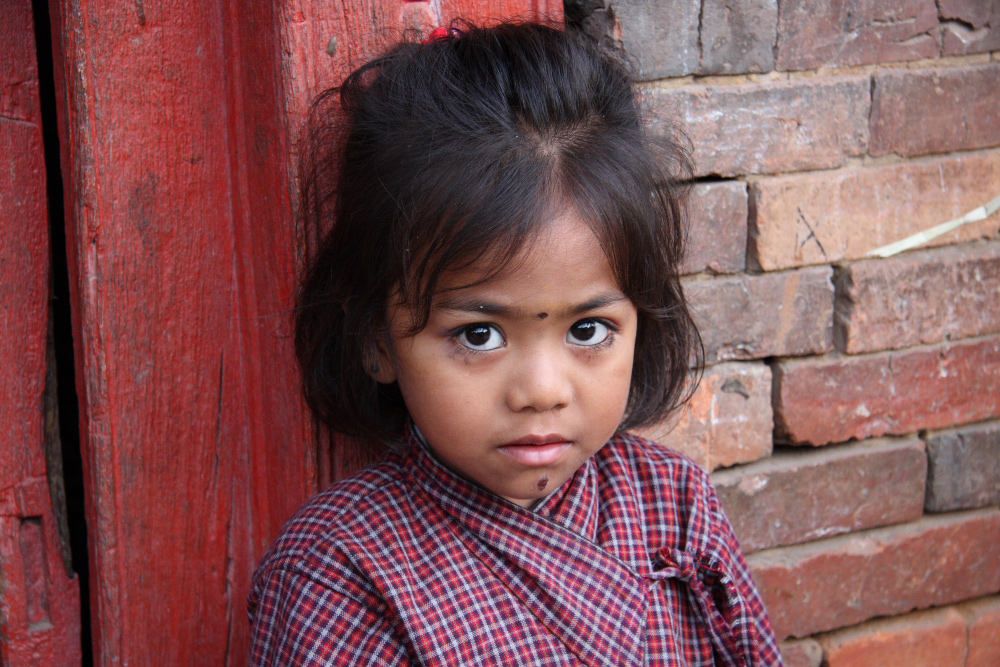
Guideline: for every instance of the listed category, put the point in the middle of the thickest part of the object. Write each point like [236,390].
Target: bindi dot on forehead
[543,481]
[542,316]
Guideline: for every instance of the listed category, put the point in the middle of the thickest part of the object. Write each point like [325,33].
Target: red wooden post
[487,9]
[183,256]
[179,130]
[39,596]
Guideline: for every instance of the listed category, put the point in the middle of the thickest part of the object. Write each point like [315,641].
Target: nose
[539,381]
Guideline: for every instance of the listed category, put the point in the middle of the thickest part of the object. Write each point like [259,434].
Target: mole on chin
[542,483]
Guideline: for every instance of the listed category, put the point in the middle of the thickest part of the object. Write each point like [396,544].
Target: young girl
[496,303]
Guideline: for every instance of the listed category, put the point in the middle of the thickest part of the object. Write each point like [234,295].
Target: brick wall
[851,406]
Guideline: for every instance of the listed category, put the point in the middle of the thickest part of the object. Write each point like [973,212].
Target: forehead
[562,266]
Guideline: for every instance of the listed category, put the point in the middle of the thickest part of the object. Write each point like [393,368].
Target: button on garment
[630,562]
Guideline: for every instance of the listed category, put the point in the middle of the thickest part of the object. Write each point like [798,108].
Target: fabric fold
[710,587]
[630,562]
[593,602]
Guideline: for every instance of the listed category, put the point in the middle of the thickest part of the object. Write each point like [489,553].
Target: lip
[537,450]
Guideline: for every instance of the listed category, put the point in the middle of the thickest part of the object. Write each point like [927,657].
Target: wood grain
[39,598]
[180,132]
[197,446]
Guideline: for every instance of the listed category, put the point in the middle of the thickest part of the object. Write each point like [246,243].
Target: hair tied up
[437,35]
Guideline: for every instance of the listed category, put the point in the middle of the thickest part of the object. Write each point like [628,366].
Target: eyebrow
[473,305]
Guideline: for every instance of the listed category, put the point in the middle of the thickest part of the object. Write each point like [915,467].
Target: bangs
[481,213]
[487,205]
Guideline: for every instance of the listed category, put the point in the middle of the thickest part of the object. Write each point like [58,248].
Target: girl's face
[516,381]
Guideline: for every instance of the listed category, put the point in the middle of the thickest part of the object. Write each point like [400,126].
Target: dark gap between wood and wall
[65,460]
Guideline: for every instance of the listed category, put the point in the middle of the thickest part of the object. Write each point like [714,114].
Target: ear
[379,363]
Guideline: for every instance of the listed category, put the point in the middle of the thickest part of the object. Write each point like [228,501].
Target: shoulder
[651,463]
[311,600]
[681,514]
[674,495]
[318,539]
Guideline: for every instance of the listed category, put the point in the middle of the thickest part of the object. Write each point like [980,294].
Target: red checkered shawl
[631,562]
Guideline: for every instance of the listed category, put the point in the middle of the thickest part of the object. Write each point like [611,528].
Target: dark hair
[445,153]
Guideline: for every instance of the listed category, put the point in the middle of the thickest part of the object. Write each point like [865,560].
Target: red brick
[799,496]
[849,579]
[738,36]
[812,34]
[801,653]
[963,468]
[921,639]
[727,421]
[819,401]
[983,620]
[777,314]
[716,228]
[973,26]
[915,112]
[661,36]
[918,298]
[771,127]
[958,40]
[976,13]
[829,217]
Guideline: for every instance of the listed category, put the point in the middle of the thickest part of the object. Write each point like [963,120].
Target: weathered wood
[179,130]
[183,253]
[323,41]
[39,597]
[490,9]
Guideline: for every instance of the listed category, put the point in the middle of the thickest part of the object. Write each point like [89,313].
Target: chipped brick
[738,36]
[971,26]
[716,228]
[818,401]
[845,580]
[799,496]
[915,112]
[814,34]
[727,421]
[919,298]
[963,468]
[750,317]
[771,127]
[821,218]
[661,36]
[921,639]
[982,618]
[801,653]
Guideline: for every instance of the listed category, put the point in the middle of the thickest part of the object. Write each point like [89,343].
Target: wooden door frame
[39,593]
[183,254]
[179,127]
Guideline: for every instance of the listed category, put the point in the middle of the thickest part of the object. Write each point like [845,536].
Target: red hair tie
[437,35]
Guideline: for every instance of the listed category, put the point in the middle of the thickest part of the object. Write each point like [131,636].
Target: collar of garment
[573,505]
[587,596]
[580,559]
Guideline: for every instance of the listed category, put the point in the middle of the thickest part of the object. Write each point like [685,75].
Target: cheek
[620,380]
[607,390]
[622,390]
[443,406]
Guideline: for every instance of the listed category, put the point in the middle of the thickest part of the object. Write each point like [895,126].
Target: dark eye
[481,337]
[588,332]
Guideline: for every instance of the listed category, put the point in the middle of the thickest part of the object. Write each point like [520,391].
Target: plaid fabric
[631,562]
